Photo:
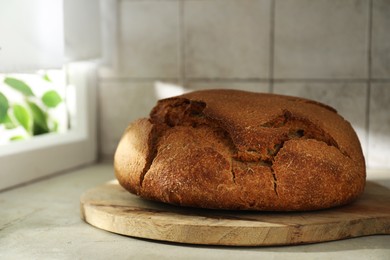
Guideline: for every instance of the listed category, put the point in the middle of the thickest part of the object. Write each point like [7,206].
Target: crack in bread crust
[184,112]
[154,136]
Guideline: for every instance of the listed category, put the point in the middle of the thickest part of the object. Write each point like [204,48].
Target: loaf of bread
[237,150]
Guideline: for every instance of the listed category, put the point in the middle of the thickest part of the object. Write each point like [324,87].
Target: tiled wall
[336,52]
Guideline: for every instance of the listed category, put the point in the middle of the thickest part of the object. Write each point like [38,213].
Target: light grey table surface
[42,221]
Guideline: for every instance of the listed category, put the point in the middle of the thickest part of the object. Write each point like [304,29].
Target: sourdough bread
[230,149]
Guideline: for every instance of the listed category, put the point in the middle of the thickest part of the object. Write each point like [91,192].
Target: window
[51,153]
[51,35]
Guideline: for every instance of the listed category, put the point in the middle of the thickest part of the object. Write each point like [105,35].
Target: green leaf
[39,119]
[8,123]
[55,126]
[38,130]
[51,98]
[23,116]
[19,86]
[3,107]
[17,137]
[46,77]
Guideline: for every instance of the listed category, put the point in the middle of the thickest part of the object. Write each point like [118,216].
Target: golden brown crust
[131,157]
[230,149]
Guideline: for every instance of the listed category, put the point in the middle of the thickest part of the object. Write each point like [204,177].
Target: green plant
[31,113]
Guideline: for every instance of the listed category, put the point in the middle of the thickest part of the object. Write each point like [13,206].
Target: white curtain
[45,34]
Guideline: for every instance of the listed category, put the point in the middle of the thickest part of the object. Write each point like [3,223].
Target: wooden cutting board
[111,208]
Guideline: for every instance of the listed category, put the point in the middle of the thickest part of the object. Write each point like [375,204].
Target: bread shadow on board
[374,196]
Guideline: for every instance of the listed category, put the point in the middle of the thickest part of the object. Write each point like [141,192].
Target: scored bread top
[233,149]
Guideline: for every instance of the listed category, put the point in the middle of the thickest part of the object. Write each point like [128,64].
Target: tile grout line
[181,36]
[248,80]
[324,80]
[369,75]
[118,38]
[115,5]
[272,47]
